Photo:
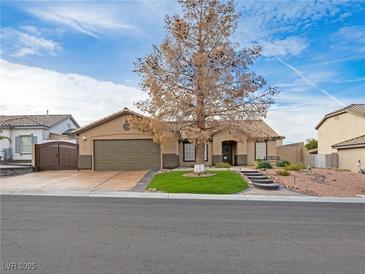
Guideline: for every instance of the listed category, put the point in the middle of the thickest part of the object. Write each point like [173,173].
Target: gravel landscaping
[322,182]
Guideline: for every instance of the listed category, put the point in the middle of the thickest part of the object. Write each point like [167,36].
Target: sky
[78,57]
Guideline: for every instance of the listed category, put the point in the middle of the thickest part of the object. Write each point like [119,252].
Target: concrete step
[263,181]
[254,174]
[257,177]
[249,171]
[272,186]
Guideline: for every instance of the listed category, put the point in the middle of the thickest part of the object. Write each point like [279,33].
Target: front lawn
[223,182]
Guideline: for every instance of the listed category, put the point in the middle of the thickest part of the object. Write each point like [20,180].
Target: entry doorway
[228,148]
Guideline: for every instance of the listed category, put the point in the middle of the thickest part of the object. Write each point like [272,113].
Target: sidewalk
[234,197]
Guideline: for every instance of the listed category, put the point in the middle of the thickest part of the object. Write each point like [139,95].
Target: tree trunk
[199,162]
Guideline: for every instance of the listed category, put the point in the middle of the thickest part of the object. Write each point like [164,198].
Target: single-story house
[112,144]
[340,125]
[351,153]
[25,130]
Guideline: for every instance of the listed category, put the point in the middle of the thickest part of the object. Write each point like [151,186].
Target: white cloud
[310,83]
[33,90]
[339,81]
[288,46]
[265,21]
[261,18]
[19,43]
[297,113]
[91,19]
[350,39]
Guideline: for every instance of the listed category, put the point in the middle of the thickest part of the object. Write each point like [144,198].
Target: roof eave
[349,146]
[329,116]
[24,127]
[106,119]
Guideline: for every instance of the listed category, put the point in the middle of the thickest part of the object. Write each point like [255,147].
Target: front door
[227,153]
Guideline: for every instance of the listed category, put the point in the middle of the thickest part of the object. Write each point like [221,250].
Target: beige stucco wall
[241,139]
[112,129]
[170,148]
[272,147]
[250,153]
[294,153]
[335,130]
[348,158]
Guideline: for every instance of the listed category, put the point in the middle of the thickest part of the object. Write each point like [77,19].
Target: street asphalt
[125,235]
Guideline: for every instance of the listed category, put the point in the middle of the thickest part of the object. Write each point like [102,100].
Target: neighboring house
[351,153]
[111,144]
[25,130]
[342,132]
[340,125]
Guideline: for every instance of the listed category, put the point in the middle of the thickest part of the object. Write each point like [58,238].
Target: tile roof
[257,129]
[48,121]
[357,109]
[253,128]
[354,142]
[70,131]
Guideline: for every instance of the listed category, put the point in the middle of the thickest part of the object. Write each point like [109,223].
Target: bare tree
[198,77]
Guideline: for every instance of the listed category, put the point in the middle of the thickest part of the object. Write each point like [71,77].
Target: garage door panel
[126,154]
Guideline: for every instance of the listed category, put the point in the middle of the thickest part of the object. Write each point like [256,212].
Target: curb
[144,195]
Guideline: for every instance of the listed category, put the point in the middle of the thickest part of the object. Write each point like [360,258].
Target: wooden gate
[56,156]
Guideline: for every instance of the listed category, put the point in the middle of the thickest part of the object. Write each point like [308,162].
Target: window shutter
[34,139]
[17,144]
[206,153]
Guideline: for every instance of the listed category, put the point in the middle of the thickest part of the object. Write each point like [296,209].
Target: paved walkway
[279,192]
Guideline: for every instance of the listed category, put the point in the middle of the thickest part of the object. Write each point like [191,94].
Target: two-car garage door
[126,155]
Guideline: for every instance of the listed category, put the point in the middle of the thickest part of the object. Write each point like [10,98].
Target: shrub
[311,143]
[263,164]
[222,165]
[282,172]
[295,167]
[282,163]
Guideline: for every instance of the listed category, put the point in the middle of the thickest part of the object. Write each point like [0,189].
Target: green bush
[282,163]
[263,164]
[222,165]
[282,172]
[295,167]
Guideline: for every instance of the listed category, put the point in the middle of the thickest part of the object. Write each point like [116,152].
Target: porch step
[256,177]
[263,181]
[253,172]
[271,186]
[249,171]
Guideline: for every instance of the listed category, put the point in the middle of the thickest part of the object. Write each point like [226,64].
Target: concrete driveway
[76,182]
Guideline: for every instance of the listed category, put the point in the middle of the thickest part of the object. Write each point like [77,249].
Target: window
[26,144]
[189,152]
[260,151]
[23,144]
